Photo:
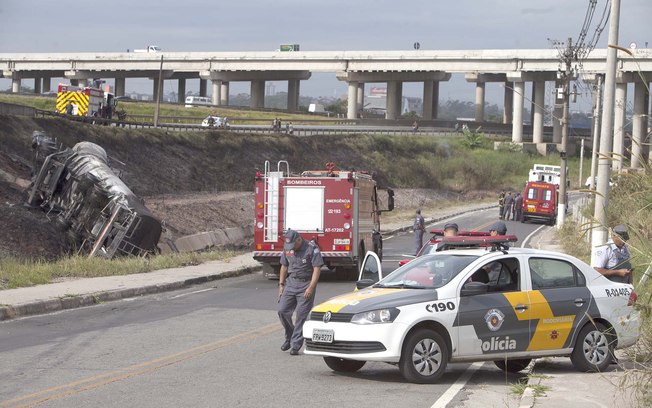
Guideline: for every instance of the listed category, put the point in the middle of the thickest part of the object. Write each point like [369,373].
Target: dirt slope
[194,182]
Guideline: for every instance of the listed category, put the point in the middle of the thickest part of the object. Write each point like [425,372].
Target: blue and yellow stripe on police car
[551,331]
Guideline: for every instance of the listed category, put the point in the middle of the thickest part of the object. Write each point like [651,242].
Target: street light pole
[599,234]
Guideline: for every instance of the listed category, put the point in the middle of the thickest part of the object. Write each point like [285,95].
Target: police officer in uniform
[508,202]
[613,259]
[301,262]
[419,228]
[451,229]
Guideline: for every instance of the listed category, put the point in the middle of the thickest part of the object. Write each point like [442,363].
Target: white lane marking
[452,391]
[191,293]
[389,237]
[525,241]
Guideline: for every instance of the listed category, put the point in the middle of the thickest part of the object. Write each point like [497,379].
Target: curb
[434,220]
[76,301]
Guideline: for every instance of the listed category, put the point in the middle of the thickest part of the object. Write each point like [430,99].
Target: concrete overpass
[512,68]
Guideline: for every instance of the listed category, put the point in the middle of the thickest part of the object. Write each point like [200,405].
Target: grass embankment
[136,110]
[630,203]
[15,273]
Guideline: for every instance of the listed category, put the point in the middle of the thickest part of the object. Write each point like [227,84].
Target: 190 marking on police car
[440,307]
[613,292]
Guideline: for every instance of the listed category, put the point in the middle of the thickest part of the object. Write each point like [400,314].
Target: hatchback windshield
[432,271]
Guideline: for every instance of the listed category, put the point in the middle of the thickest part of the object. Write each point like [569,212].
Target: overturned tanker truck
[88,202]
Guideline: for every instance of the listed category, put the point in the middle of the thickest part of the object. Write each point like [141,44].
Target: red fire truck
[339,210]
[86,101]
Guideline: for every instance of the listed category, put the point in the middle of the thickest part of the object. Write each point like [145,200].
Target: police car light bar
[498,242]
[440,232]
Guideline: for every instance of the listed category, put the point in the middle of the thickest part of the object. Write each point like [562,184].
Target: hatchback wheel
[424,357]
[593,349]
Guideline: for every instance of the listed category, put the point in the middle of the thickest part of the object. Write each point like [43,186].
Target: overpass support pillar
[156,95]
[38,85]
[479,101]
[119,87]
[203,84]
[393,100]
[224,94]
[47,84]
[639,123]
[293,94]
[508,103]
[352,100]
[83,82]
[181,91]
[15,85]
[257,94]
[517,123]
[430,100]
[539,101]
[532,102]
[360,97]
[216,89]
[619,124]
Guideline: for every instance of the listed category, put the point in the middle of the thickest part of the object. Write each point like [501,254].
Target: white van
[198,101]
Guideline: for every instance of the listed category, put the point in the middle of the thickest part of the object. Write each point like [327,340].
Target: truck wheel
[342,365]
[593,351]
[512,366]
[424,357]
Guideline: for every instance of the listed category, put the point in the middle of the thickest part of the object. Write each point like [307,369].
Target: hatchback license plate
[322,336]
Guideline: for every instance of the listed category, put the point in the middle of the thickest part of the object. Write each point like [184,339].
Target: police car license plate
[322,336]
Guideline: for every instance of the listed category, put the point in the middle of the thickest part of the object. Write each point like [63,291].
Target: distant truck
[87,101]
[316,108]
[288,47]
[150,48]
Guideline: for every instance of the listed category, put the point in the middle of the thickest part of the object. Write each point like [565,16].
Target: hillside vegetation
[156,161]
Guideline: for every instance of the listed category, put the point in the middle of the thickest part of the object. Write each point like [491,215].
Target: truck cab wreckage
[86,200]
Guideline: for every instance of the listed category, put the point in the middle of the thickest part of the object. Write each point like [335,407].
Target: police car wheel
[593,349]
[424,357]
[512,366]
[342,365]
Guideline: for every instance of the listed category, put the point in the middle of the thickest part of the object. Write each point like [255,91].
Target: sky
[257,25]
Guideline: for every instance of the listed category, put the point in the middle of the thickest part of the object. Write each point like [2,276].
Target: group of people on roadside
[277,126]
[510,206]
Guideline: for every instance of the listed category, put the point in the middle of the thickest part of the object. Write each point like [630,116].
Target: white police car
[486,302]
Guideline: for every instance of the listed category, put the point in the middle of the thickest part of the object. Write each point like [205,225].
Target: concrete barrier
[206,240]
[18,110]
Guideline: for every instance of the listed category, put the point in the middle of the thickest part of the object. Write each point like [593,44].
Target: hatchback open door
[371,271]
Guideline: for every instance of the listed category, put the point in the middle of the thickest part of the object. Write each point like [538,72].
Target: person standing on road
[509,203]
[501,204]
[613,259]
[301,263]
[518,207]
[415,127]
[419,228]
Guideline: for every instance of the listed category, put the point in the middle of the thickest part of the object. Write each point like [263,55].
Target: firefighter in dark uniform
[301,262]
[613,259]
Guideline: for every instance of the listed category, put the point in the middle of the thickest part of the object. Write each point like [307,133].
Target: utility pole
[158,93]
[568,57]
[597,112]
[599,234]
[581,162]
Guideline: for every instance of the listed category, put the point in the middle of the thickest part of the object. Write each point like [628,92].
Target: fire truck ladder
[272,186]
